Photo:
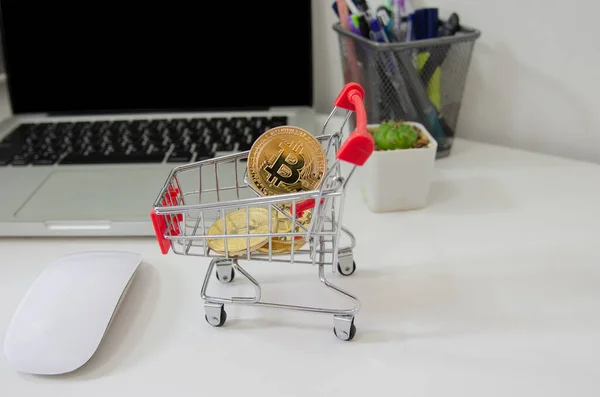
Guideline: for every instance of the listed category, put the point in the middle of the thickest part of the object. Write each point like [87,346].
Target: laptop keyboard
[131,141]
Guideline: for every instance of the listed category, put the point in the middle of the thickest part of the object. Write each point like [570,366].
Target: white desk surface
[492,290]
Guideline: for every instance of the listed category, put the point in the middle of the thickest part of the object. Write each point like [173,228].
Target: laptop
[107,99]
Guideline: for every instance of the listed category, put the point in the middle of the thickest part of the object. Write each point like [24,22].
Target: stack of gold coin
[235,223]
[286,160]
[258,223]
[284,244]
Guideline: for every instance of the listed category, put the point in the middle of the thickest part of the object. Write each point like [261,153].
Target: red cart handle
[360,144]
[357,148]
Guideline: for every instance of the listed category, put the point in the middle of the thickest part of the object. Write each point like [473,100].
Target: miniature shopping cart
[195,195]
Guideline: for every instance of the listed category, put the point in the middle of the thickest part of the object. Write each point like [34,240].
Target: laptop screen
[88,57]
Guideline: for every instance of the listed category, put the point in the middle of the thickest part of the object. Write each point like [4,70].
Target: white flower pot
[398,180]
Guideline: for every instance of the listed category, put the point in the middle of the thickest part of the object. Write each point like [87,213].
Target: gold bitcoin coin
[235,223]
[285,160]
[283,245]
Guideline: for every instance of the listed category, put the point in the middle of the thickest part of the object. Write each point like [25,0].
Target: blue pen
[432,23]
[377,33]
[425,23]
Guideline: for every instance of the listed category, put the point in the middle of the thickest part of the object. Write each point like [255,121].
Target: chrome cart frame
[194,195]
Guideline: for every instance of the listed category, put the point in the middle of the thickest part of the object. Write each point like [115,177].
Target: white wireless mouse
[64,315]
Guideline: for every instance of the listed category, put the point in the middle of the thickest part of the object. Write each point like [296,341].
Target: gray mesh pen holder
[419,81]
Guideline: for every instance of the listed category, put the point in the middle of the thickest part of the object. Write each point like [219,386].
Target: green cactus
[393,135]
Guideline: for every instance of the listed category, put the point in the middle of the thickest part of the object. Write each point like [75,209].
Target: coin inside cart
[285,244]
[241,222]
[285,160]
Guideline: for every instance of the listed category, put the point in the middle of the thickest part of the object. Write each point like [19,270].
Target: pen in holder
[421,80]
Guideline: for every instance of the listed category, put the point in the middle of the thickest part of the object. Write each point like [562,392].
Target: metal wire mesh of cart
[412,81]
[198,196]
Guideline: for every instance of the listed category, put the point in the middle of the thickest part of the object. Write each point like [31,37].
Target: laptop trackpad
[95,195]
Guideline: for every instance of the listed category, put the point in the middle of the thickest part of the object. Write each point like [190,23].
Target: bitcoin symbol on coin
[285,160]
[287,167]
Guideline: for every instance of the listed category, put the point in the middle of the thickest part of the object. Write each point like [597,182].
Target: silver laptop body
[62,198]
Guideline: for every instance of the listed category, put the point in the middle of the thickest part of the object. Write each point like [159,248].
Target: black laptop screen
[173,56]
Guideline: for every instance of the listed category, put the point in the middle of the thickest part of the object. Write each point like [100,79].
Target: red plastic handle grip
[360,144]
[160,226]
[159,222]
[343,99]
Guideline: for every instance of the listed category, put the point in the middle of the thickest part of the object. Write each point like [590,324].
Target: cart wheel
[344,337]
[343,327]
[217,322]
[347,270]
[226,279]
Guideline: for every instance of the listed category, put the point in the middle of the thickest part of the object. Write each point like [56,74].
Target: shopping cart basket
[195,195]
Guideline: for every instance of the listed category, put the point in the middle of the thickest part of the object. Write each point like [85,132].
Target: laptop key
[258,122]
[178,125]
[76,158]
[180,157]
[157,125]
[218,147]
[120,127]
[204,156]
[20,159]
[81,127]
[239,122]
[44,159]
[278,121]
[139,125]
[197,124]
[219,122]
[264,129]
[63,127]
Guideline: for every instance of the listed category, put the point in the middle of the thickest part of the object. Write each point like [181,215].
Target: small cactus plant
[393,135]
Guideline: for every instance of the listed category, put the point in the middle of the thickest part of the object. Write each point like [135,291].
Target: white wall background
[534,80]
